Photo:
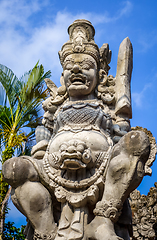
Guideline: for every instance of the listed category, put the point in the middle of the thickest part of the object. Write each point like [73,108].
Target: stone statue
[87,160]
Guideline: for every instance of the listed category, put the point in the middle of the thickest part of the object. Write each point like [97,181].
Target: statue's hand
[38,151]
[43,136]
[118,133]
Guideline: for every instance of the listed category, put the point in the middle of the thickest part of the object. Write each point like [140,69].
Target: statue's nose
[71,149]
[76,69]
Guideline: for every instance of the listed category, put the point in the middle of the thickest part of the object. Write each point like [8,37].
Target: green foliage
[10,232]
[3,188]
[20,105]
[7,153]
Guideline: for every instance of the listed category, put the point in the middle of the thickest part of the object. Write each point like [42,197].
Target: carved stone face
[80,74]
[74,154]
[77,150]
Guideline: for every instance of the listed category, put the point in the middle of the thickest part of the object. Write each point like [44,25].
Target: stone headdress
[81,34]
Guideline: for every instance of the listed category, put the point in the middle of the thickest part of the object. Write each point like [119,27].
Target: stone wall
[144,212]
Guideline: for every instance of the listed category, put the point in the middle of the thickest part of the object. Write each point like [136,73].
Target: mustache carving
[75,160]
[77,77]
[72,164]
[76,155]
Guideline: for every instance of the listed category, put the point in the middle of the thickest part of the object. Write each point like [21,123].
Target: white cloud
[105,17]
[17,12]
[24,42]
[147,41]
[139,97]
[125,10]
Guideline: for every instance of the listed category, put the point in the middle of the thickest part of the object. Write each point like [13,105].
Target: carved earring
[102,77]
[62,90]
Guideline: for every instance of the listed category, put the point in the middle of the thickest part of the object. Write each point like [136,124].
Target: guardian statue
[87,160]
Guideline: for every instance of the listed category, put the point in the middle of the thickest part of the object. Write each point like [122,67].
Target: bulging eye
[63,147]
[68,66]
[86,66]
[80,148]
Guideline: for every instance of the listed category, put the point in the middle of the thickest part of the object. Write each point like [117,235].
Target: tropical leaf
[11,85]
[20,113]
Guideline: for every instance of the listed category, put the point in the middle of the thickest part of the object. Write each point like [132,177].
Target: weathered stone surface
[123,78]
[87,160]
[144,212]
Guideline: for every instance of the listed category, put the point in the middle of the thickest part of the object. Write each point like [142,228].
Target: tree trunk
[4,190]
[3,210]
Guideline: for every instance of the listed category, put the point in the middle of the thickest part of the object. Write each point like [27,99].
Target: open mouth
[77,79]
[72,164]
[66,155]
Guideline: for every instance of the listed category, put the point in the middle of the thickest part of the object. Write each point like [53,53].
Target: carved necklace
[77,192]
[72,191]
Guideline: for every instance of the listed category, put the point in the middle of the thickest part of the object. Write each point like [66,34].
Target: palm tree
[20,114]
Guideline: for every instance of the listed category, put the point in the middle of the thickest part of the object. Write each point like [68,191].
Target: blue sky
[32,30]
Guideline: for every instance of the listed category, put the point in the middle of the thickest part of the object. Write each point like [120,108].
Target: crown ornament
[81,40]
[81,34]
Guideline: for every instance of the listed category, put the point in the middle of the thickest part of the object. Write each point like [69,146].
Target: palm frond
[11,85]
[33,83]
[24,96]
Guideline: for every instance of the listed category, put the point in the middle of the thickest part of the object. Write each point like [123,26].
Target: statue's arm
[43,136]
